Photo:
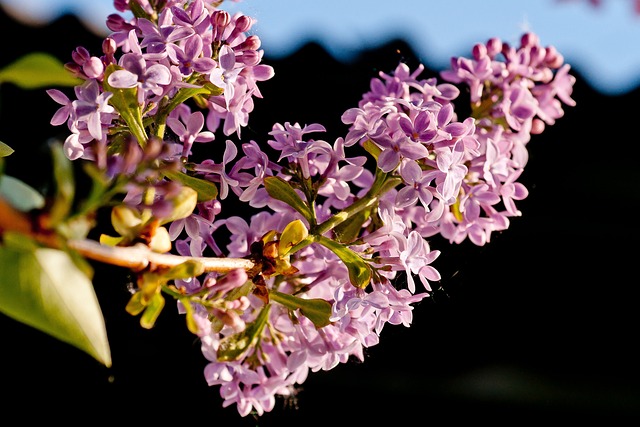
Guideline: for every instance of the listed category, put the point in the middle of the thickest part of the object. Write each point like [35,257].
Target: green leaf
[36,70]
[20,195]
[316,309]
[100,186]
[372,148]
[348,230]
[183,204]
[233,347]
[187,92]
[206,190]
[359,271]
[105,239]
[152,311]
[43,288]
[65,185]
[293,233]
[135,305]
[192,326]
[281,190]
[126,221]
[5,150]
[183,271]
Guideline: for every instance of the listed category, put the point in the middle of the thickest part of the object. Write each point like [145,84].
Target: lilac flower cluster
[332,237]
[183,45]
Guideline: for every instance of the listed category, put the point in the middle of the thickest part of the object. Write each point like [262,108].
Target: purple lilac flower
[217,172]
[149,81]
[190,133]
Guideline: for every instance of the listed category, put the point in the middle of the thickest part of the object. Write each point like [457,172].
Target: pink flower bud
[243,23]
[93,68]
[537,126]
[529,39]
[80,55]
[220,19]
[479,51]
[494,46]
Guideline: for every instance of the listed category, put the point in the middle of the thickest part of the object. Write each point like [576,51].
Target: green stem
[357,206]
[134,121]
[383,183]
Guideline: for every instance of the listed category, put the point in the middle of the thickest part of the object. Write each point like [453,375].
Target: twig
[140,256]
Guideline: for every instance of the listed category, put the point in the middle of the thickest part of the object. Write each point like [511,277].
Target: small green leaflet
[5,150]
[206,190]
[65,185]
[281,190]
[317,310]
[359,271]
[233,347]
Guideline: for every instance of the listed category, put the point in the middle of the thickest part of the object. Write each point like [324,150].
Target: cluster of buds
[332,236]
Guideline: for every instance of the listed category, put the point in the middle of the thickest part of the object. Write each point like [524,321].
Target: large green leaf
[43,288]
[36,70]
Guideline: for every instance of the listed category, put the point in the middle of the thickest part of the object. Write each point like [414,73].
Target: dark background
[539,324]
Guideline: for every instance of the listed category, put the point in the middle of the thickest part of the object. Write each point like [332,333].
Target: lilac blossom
[190,133]
[93,108]
[189,58]
[136,74]
[434,173]
[225,75]
[217,172]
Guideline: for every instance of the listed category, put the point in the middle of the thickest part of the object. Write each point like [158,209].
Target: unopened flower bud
[494,46]
[80,55]
[243,23]
[116,22]
[251,43]
[553,59]
[160,241]
[74,69]
[479,51]
[231,280]
[529,39]
[109,47]
[230,319]
[537,126]
[121,5]
[249,58]
[93,68]
[219,20]
[536,55]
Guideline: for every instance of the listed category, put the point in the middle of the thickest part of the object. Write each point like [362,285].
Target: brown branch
[140,256]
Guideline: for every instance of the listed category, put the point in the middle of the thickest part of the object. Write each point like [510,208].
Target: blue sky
[602,43]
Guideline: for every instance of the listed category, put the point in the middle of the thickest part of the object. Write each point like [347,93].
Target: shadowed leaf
[37,70]
[43,288]
[20,195]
